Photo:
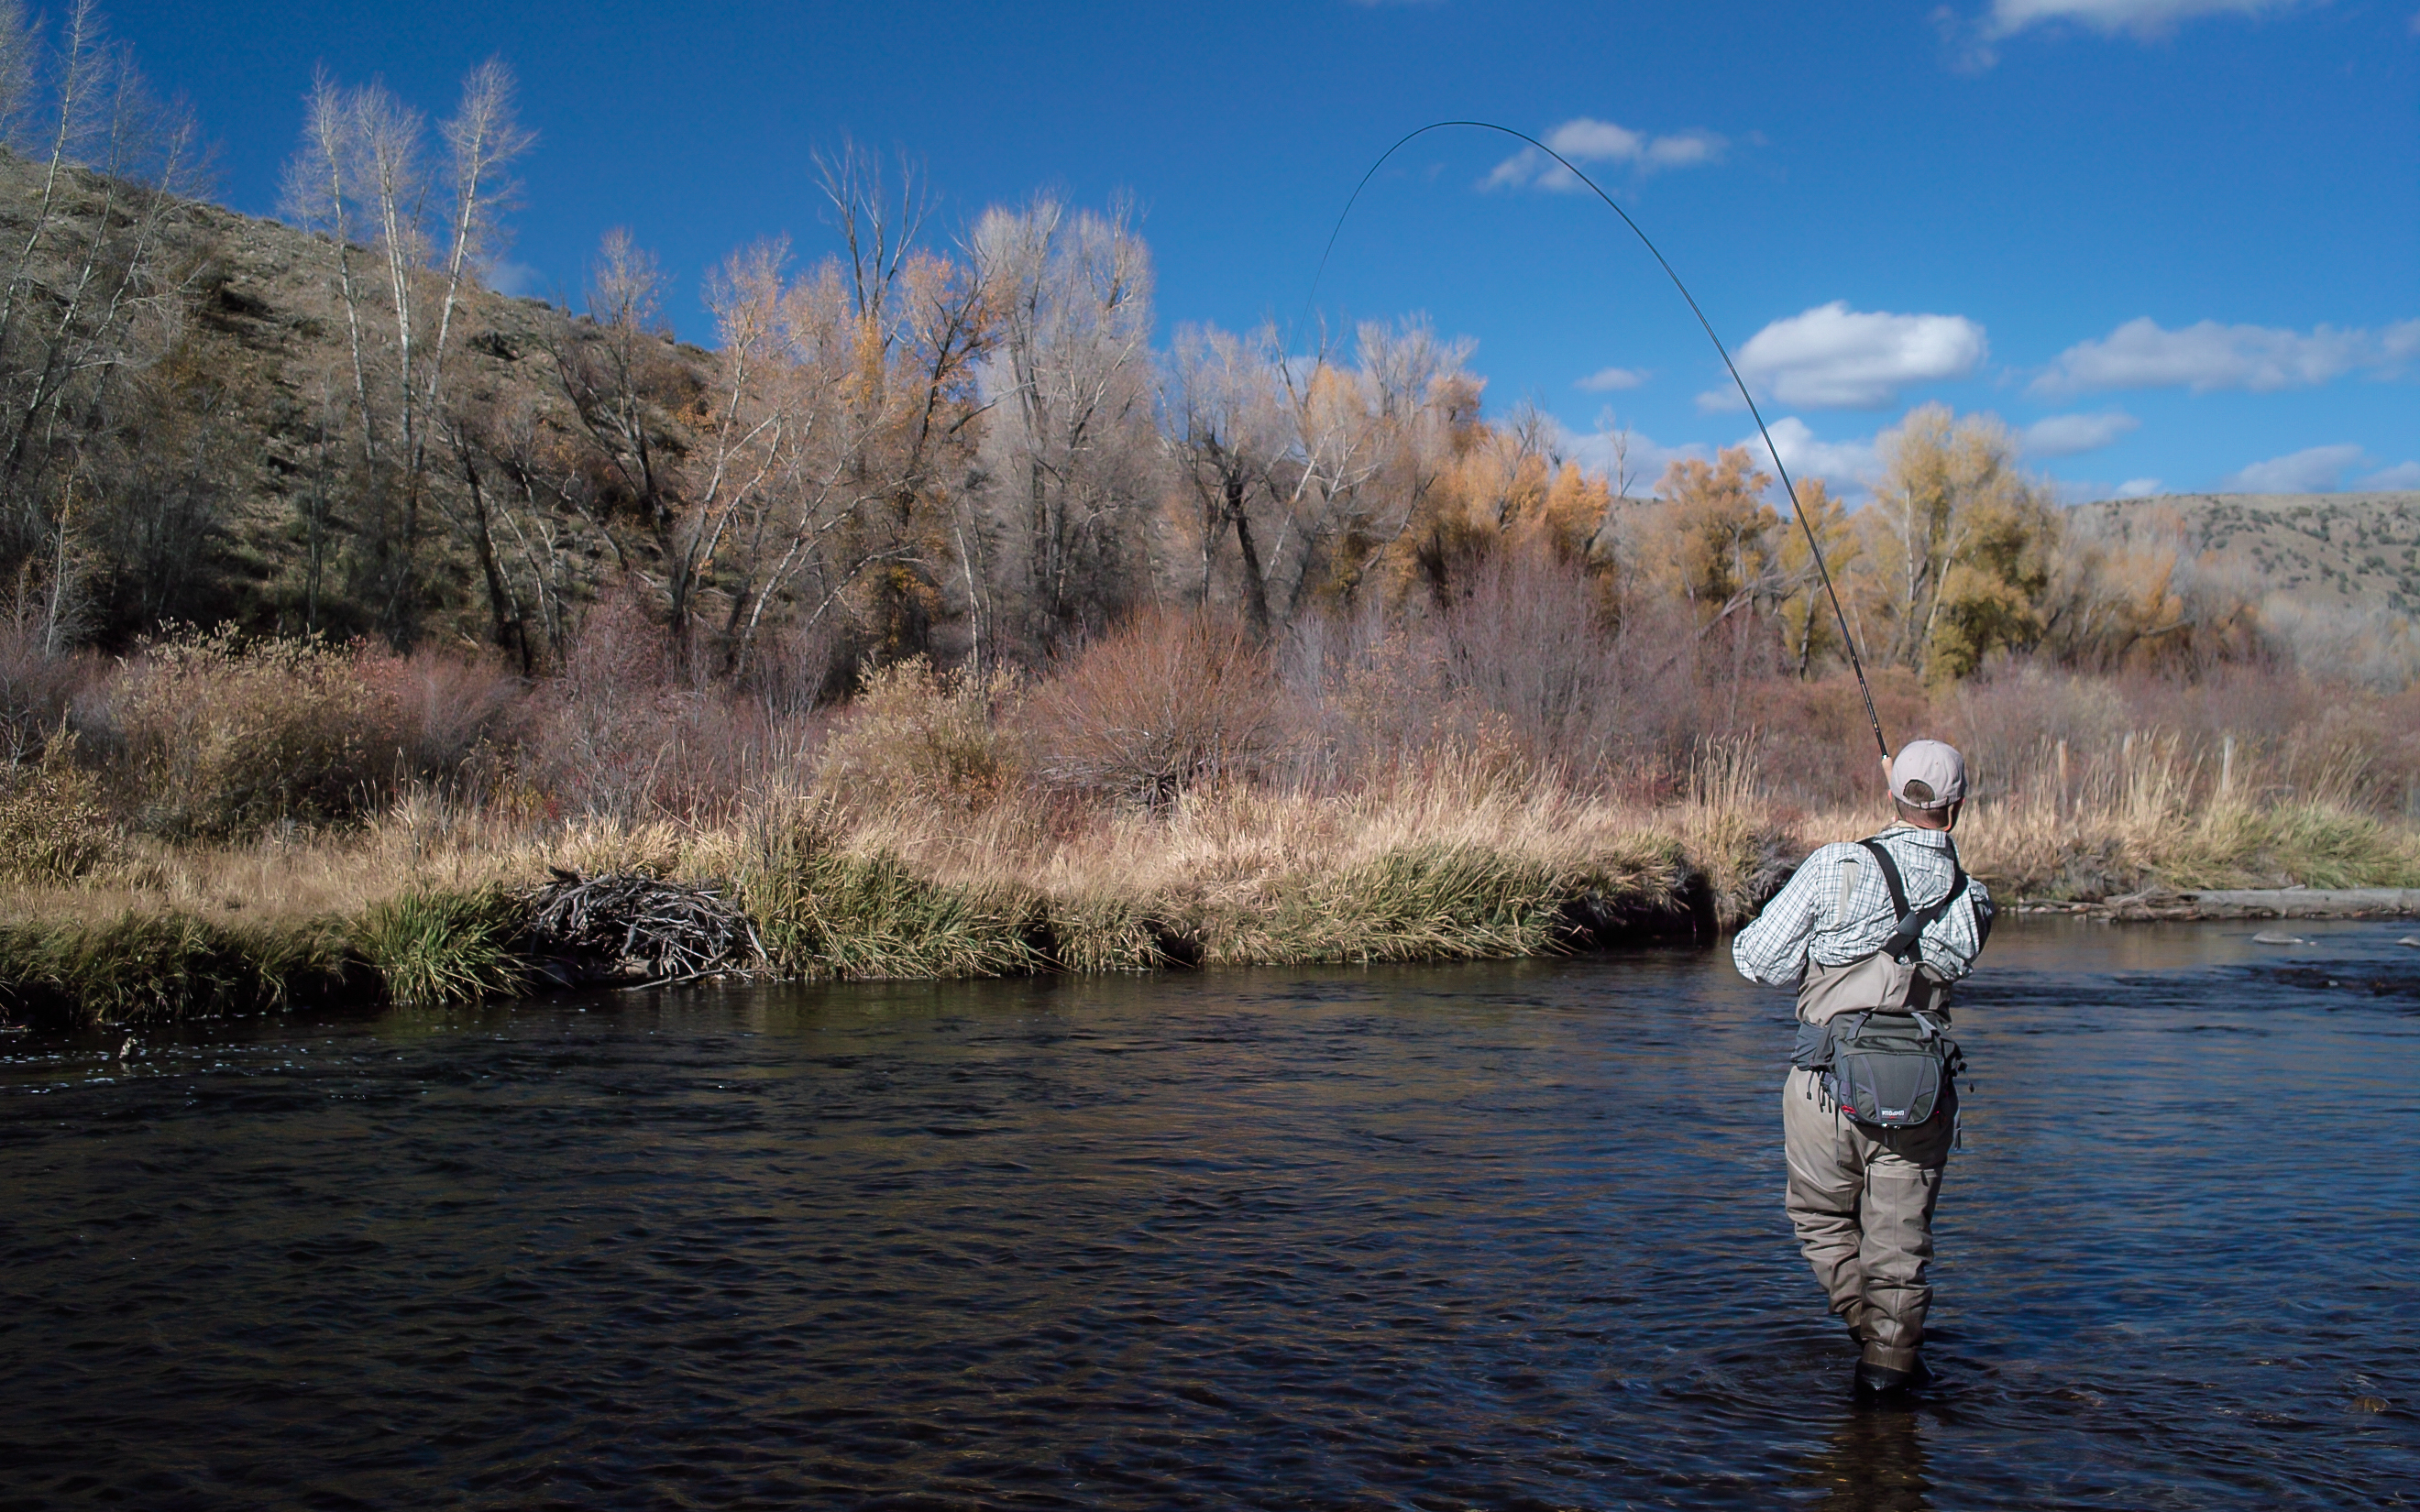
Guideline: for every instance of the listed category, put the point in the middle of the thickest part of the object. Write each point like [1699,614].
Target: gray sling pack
[1875,1029]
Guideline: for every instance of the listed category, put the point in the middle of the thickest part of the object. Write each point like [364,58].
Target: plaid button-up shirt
[1836,909]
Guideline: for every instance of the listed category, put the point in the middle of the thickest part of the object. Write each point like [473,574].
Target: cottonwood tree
[1316,469]
[804,467]
[627,387]
[1507,489]
[2139,589]
[1068,449]
[1720,535]
[529,491]
[618,370]
[1956,546]
[1809,629]
[883,344]
[1225,431]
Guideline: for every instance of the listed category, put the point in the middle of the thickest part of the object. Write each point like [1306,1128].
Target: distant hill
[2341,551]
[211,462]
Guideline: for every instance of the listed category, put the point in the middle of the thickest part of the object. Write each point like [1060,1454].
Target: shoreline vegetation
[207,829]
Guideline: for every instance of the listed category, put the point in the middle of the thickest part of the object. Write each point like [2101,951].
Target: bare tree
[809,460]
[1068,446]
[616,370]
[485,136]
[318,195]
[1318,469]
[90,297]
[875,361]
[362,168]
[1225,431]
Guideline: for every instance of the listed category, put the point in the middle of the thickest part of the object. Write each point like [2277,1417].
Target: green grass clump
[823,914]
[2316,844]
[1100,932]
[433,948]
[1418,903]
[144,968]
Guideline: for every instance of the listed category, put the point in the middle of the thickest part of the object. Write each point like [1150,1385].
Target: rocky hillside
[2357,551]
[209,464]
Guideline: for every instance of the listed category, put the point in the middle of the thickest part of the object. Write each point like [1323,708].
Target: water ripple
[1504,1237]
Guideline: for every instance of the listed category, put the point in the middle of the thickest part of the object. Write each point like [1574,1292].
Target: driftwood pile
[628,927]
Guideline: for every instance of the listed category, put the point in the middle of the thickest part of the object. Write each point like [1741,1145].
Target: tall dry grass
[241,826]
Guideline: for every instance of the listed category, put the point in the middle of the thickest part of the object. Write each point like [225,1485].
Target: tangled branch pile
[628,925]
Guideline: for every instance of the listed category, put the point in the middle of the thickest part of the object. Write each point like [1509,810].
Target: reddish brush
[1168,700]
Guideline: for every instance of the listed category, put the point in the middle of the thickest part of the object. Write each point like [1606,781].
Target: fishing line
[1847,640]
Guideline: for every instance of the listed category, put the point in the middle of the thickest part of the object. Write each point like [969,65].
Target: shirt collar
[1937,840]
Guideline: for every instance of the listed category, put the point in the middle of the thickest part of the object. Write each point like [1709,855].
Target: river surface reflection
[1500,1236]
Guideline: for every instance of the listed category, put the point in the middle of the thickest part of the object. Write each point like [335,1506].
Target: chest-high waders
[1865,1132]
[1876,1030]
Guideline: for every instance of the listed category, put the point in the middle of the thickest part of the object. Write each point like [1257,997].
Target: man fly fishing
[1871,936]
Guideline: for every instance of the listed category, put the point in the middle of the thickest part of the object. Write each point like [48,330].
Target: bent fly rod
[1789,488]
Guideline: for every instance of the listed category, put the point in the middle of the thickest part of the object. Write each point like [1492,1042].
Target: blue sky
[2175,242]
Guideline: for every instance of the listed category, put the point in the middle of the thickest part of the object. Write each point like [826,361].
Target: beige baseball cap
[1929,775]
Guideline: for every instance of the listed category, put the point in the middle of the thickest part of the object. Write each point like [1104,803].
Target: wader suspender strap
[1901,945]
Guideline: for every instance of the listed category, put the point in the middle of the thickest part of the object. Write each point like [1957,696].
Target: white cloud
[2070,435]
[1840,463]
[1847,466]
[2401,475]
[1584,139]
[505,276]
[1835,357]
[1643,462]
[2143,354]
[2138,488]
[2312,469]
[2142,18]
[1606,379]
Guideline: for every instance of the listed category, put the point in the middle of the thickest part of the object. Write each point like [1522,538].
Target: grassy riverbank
[1455,858]
[428,901]
[220,828]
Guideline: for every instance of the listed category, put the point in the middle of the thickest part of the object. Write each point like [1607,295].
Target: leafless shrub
[443,705]
[52,825]
[222,736]
[1168,700]
[37,689]
[918,735]
[794,668]
[618,734]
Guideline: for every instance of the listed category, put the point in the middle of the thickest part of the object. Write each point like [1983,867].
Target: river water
[1497,1236]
